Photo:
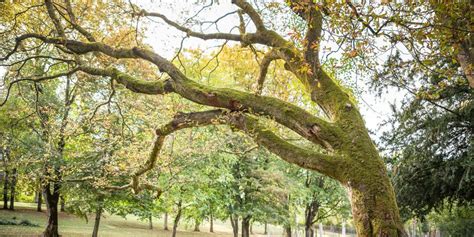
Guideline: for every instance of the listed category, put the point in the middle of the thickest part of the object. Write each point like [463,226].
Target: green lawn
[112,226]
[70,225]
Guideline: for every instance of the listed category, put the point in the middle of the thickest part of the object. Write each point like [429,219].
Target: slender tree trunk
[321,229]
[311,211]
[197,223]
[52,201]
[12,189]
[343,228]
[287,231]
[5,191]
[246,226]
[234,221]
[150,222]
[62,204]
[251,228]
[176,219]
[98,214]
[265,229]
[166,221]
[211,223]
[39,202]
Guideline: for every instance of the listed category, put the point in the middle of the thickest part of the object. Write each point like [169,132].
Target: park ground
[112,226]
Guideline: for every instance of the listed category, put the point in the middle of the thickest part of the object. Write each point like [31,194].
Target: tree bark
[176,219]
[52,201]
[165,221]
[39,202]
[246,226]
[5,190]
[98,214]
[12,189]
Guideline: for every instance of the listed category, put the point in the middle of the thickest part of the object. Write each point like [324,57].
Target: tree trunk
[321,229]
[311,211]
[150,222]
[246,226]
[12,189]
[287,231]
[373,203]
[211,224]
[343,228]
[251,228]
[5,191]
[176,219]
[62,204]
[52,201]
[98,214]
[166,221]
[234,221]
[265,229]
[197,223]
[39,202]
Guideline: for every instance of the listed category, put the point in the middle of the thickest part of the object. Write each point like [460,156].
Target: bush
[13,222]
[457,222]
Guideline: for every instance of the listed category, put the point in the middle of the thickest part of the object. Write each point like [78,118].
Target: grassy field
[111,226]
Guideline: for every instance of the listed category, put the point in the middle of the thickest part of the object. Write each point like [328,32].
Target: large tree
[88,38]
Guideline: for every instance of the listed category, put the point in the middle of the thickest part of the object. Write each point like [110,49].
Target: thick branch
[54,18]
[327,164]
[251,12]
[131,83]
[307,125]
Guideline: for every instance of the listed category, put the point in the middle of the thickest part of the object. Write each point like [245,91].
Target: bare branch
[72,20]
[252,13]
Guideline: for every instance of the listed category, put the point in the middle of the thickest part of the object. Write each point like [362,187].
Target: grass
[111,226]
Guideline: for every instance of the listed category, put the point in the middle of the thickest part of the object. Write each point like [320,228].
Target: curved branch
[307,125]
[267,59]
[251,12]
[73,22]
